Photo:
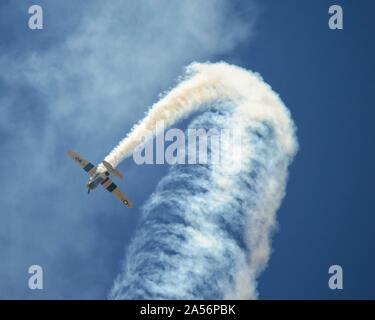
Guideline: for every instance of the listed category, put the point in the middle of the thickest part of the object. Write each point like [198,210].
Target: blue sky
[84,80]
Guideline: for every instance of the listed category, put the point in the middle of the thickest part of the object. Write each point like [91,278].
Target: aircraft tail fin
[112,170]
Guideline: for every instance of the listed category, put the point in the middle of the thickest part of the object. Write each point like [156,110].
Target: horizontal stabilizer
[112,170]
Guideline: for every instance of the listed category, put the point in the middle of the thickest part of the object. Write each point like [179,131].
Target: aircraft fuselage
[96,179]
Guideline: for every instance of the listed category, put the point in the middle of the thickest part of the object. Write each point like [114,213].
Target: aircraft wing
[115,190]
[83,163]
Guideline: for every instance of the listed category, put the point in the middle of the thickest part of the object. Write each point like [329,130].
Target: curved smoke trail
[205,231]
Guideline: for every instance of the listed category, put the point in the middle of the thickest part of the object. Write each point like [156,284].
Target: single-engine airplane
[98,177]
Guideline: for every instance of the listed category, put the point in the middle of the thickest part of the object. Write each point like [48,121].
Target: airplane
[97,177]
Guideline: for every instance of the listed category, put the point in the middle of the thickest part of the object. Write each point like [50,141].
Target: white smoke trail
[206,83]
[210,238]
